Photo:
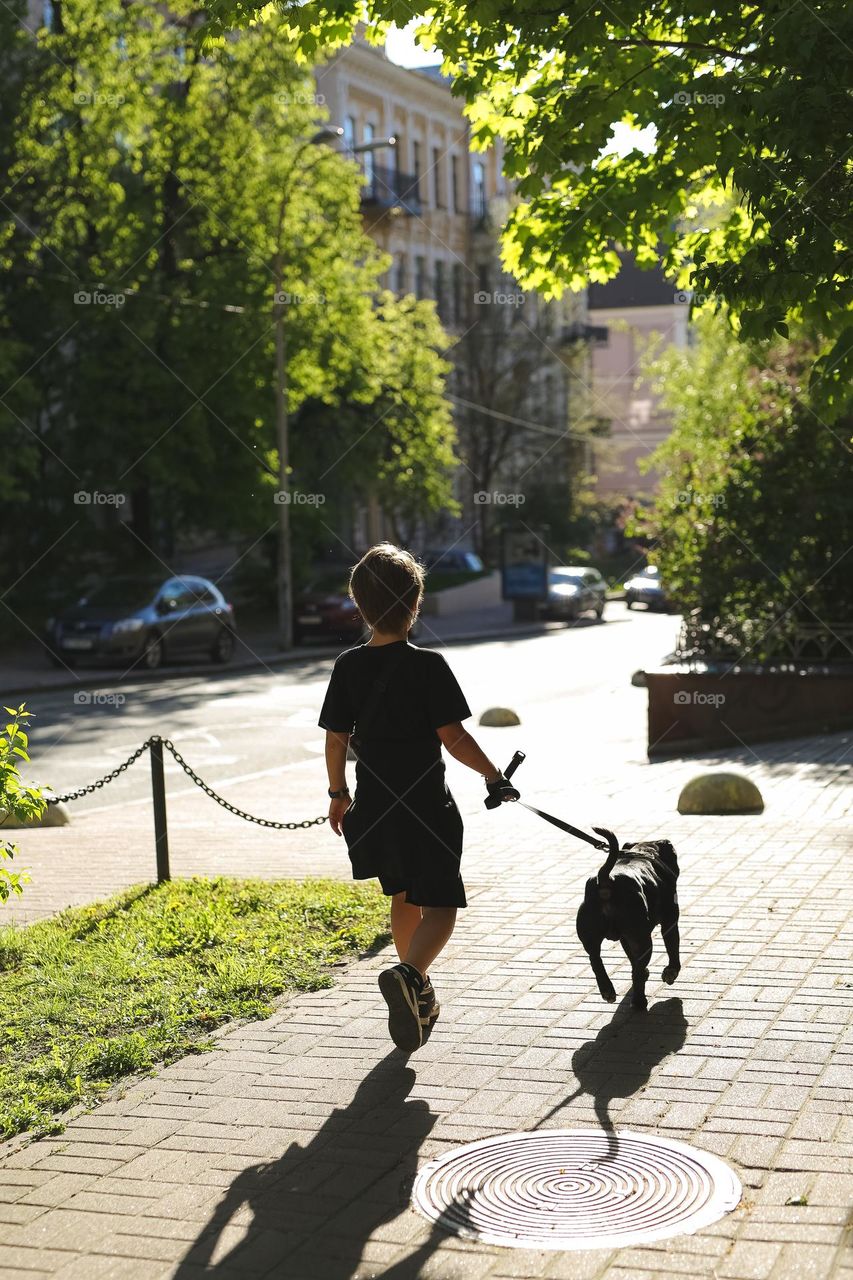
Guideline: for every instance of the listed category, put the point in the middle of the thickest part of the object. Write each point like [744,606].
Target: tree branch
[630,42]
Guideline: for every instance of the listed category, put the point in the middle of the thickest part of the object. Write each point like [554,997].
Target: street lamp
[328,133]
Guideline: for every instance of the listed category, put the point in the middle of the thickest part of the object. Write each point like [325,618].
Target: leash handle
[494,802]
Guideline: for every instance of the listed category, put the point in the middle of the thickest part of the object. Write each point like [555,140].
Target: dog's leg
[605,986]
[638,949]
[672,942]
[591,936]
[592,946]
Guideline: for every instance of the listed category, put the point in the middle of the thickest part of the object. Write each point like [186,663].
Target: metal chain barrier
[102,782]
[190,772]
[239,813]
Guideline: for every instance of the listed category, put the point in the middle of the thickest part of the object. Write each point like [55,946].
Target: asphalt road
[254,735]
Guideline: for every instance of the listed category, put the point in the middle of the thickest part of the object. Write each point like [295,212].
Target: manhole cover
[575,1189]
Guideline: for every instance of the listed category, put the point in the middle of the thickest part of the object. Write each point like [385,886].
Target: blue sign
[524,566]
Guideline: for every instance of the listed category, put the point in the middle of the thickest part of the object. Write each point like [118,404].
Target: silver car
[573,590]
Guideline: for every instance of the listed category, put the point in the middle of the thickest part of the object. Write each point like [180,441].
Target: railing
[390,189]
[757,641]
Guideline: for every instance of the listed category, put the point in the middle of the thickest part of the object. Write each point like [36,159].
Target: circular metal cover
[575,1189]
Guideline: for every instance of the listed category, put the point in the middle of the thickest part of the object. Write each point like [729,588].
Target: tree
[749,108]
[753,525]
[156,194]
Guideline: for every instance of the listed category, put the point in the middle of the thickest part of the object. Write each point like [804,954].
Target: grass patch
[119,986]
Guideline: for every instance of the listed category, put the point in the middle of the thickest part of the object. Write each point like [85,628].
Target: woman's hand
[337,809]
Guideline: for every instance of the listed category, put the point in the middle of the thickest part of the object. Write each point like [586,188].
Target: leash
[565,826]
[548,817]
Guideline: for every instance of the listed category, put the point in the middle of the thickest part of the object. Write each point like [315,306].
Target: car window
[123,593]
[563,575]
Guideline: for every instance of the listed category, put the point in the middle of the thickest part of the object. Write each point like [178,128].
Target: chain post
[158,790]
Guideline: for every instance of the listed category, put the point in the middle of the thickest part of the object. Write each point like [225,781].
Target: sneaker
[428,1009]
[401,986]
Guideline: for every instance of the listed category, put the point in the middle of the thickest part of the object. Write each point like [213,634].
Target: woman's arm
[336,767]
[458,741]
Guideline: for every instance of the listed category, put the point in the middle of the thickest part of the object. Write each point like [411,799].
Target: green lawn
[120,986]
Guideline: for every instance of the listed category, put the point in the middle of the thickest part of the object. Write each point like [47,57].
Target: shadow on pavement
[621,1058]
[313,1209]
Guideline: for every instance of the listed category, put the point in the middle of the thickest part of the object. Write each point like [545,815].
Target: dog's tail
[612,855]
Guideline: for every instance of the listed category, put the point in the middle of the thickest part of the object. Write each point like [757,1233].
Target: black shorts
[410,848]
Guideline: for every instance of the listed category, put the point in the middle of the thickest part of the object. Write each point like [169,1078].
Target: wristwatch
[337,795]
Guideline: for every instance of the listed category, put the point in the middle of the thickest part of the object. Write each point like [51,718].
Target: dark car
[453,561]
[325,609]
[646,588]
[573,590]
[143,621]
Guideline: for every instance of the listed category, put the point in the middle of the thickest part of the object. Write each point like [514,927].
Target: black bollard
[158,789]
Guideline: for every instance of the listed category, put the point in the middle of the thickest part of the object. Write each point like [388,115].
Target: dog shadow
[312,1210]
[621,1058]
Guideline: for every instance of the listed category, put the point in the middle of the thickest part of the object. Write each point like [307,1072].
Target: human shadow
[314,1208]
[621,1058]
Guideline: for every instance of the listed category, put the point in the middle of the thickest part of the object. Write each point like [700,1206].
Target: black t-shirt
[422,694]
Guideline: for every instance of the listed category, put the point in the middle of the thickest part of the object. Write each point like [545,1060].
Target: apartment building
[629,314]
[436,208]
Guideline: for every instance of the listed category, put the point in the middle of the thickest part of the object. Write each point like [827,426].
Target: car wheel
[153,653]
[223,646]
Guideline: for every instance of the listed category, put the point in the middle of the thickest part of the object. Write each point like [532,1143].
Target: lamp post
[285,578]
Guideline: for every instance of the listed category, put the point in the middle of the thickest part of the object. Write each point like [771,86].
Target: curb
[270,660]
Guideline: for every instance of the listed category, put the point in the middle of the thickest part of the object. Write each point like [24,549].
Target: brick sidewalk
[290,1150]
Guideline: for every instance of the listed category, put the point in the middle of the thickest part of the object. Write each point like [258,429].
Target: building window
[479,189]
[438,194]
[440,290]
[349,132]
[420,276]
[454,183]
[416,170]
[370,158]
[401,283]
[458,306]
[483,278]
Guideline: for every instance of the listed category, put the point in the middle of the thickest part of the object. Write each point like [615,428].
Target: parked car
[143,621]
[453,561]
[324,608]
[646,587]
[573,590]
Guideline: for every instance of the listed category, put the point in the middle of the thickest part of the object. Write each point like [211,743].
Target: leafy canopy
[746,186]
[752,523]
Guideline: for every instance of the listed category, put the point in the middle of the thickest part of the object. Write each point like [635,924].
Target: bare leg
[405,919]
[430,937]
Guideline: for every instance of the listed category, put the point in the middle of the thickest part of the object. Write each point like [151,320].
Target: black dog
[633,893]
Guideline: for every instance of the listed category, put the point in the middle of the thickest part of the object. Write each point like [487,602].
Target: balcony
[390,189]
